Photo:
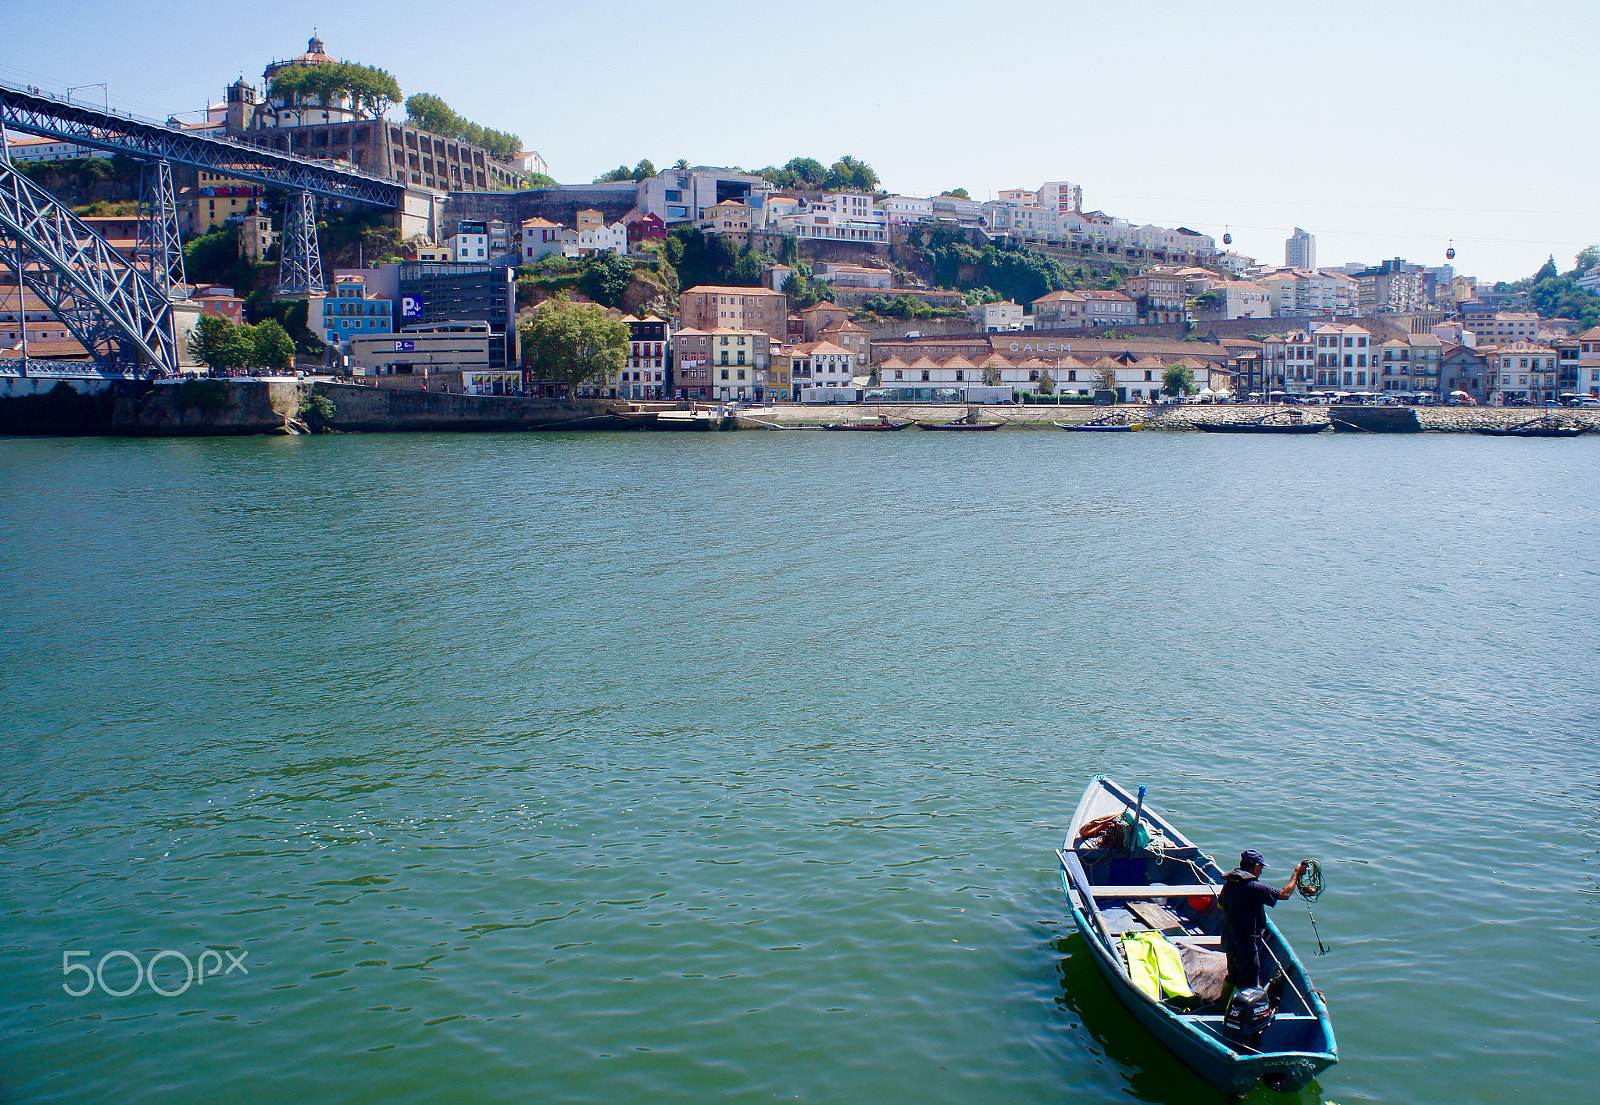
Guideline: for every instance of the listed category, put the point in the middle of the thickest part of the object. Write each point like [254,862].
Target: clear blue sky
[1383,128]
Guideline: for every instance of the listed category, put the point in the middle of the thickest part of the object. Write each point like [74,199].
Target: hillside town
[822,283]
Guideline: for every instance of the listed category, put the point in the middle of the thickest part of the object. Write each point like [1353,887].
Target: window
[924,374]
[724,374]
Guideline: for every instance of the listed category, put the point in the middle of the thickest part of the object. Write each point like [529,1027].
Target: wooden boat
[1099,426]
[1261,427]
[1537,427]
[1167,885]
[959,425]
[883,423]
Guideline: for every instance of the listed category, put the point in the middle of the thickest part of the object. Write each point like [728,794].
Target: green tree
[621,172]
[747,270]
[430,113]
[958,193]
[220,345]
[643,170]
[1587,259]
[574,344]
[1177,379]
[272,345]
[372,90]
[681,163]
[606,279]
[851,174]
[1546,270]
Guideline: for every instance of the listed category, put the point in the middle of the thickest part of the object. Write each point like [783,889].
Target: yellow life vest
[1155,966]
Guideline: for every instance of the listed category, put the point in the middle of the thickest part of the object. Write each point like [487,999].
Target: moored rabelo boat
[959,425]
[1545,426]
[1145,899]
[883,423]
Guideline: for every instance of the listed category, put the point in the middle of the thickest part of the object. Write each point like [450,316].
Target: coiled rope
[1310,885]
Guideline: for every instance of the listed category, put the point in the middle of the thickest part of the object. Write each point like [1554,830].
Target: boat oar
[1310,886]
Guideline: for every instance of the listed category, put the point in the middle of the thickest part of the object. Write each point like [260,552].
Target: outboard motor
[1252,1011]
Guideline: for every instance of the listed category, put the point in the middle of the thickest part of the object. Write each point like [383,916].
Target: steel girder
[160,246]
[49,117]
[111,307]
[300,258]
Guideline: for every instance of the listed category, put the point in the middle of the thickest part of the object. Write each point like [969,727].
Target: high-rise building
[1300,250]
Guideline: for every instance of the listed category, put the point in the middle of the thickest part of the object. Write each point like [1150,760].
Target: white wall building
[469,245]
[899,210]
[1063,195]
[25,147]
[994,317]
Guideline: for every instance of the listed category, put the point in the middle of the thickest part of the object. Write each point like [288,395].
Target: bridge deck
[49,117]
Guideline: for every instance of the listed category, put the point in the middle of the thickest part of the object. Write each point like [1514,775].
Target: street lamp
[104,91]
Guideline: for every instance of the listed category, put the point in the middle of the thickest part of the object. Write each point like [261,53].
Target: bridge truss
[114,310]
[122,315]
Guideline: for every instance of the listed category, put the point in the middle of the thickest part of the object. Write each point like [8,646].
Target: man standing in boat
[1244,900]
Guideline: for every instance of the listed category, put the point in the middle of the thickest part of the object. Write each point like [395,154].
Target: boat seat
[1194,890]
[1198,941]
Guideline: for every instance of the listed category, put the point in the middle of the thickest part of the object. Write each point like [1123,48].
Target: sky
[1385,129]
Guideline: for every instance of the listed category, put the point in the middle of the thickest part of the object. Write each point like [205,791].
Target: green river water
[686,768]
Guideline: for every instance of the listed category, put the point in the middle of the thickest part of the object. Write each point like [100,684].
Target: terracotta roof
[845,324]
[825,305]
[924,362]
[63,348]
[956,361]
[894,362]
[722,289]
[994,360]
[1060,297]
[823,348]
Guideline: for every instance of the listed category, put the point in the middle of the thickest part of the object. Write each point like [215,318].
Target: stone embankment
[1163,416]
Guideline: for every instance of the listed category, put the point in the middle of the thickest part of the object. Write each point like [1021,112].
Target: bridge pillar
[160,246]
[300,258]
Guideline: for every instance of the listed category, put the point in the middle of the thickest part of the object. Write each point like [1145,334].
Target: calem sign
[411,306]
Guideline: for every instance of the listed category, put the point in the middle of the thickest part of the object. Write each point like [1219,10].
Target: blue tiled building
[354,312]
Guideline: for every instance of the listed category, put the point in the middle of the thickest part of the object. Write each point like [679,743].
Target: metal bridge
[120,311]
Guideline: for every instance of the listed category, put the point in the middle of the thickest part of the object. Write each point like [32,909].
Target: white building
[679,195]
[898,210]
[470,243]
[1300,250]
[597,239]
[28,148]
[1063,195]
[994,317]
[529,161]
[820,364]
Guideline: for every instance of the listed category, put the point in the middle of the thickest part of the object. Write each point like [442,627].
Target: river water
[729,767]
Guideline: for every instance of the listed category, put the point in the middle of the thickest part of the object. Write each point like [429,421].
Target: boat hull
[1258,428]
[1564,431]
[976,426]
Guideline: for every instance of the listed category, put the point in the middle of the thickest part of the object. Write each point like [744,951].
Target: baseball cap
[1250,857]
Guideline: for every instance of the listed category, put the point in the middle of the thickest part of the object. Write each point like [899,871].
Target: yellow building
[214,200]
